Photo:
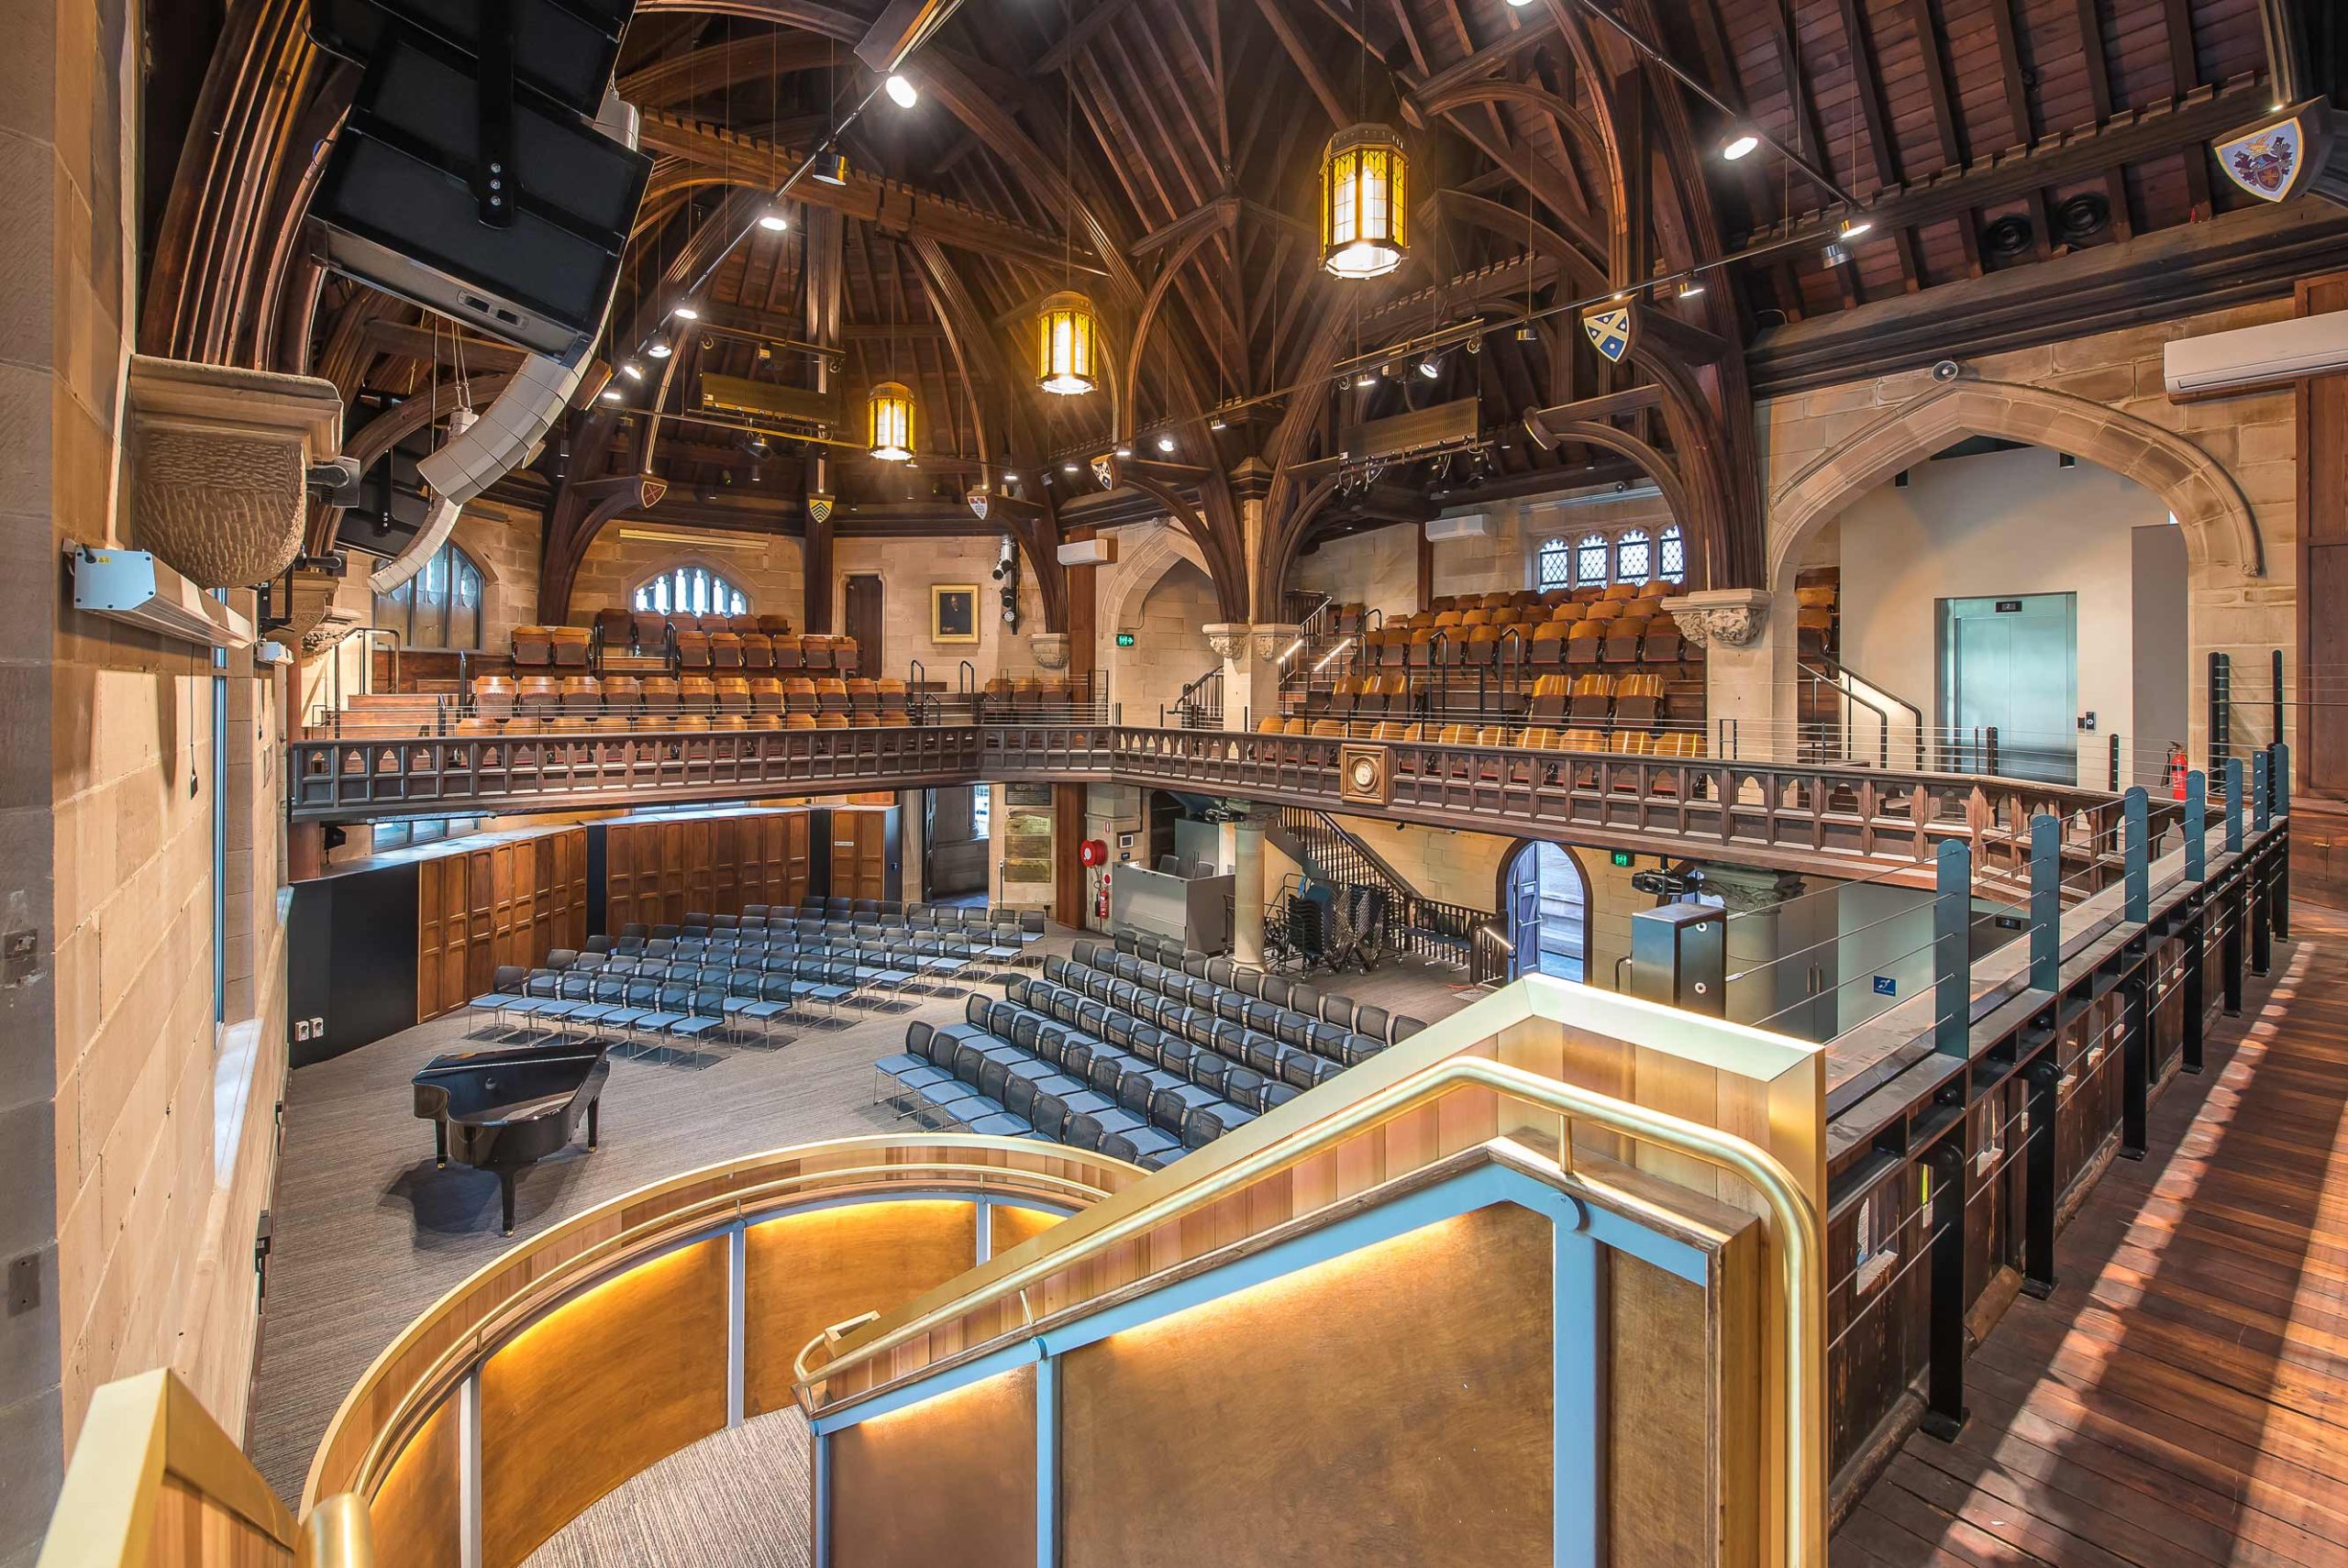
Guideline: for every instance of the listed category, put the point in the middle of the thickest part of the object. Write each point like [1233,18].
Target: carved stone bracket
[1272,639]
[1050,649]
[218,458]
[1723,617]
[1228,638]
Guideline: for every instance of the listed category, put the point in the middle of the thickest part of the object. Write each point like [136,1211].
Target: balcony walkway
[2183,1398]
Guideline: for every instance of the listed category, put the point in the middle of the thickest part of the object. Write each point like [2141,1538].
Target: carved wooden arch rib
[1229,576]
[1123,417]
[579,514]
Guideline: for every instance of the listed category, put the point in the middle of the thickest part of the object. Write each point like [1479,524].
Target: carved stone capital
[1722,618]
[1050,649]
[1272,639]
[1228,638]
[218,460]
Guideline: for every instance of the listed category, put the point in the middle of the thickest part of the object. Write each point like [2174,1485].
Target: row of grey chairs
[1330,1007]
[1178,997]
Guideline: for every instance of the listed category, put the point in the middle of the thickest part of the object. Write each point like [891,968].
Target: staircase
[1424,927]
[1842,716]
[1317,637]
[1200,707]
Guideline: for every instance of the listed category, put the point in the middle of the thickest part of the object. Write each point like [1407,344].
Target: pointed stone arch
[2221,538]
[1144,554]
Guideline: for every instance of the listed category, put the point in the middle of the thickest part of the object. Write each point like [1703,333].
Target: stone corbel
[1720,617]
[1050,648]
[1228,638]
[218,460]
[1272,639]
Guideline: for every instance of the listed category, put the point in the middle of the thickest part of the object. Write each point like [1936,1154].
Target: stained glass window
[1672,555]
[1591,558]
[690,591]
[439,607]
[1634,557]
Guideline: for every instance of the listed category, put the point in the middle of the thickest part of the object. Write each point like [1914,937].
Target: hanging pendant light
[1065,328]
[889,407]
[1364,189]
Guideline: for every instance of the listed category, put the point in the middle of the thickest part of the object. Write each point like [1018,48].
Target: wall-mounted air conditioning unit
[1098,550]
[1468,525]
[2253,357]
[134,588]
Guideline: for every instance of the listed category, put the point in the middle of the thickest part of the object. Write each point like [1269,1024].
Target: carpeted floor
[368,1234]
[738,1500]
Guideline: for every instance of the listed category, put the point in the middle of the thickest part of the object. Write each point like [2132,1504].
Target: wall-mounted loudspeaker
[471,193]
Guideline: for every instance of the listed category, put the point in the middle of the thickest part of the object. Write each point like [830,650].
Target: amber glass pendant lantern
[891,409]
[1364,186]
[1066,334]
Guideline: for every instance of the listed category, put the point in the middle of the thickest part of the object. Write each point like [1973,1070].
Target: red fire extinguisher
[2176,771]
[1100,905]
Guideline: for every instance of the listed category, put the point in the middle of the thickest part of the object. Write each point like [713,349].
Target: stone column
[1247,882]
[1750,663]
[1251,668]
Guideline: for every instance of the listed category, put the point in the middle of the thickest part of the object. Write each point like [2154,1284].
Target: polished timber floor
[368,1234]
[2182,1399]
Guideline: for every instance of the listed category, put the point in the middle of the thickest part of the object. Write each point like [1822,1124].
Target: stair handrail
[1800,1326]
[1193,703]
[1826,669]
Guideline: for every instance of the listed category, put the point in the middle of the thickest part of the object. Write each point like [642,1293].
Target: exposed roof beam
[891,205]
[1072,43]
[2176,125]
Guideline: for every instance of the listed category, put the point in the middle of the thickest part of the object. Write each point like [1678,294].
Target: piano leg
[439,1146]
[505,1196]
[594,1121]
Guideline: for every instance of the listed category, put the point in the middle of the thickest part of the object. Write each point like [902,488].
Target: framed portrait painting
[954,613]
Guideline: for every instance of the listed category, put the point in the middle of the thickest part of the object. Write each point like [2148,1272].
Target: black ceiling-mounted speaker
[564,49]
[478,198]
[391,503]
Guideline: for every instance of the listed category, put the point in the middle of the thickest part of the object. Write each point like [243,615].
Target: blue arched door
[1549,912]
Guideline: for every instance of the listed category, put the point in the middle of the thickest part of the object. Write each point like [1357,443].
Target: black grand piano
[510,1109]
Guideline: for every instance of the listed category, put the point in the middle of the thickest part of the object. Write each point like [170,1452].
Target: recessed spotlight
[631,369]
[1741,143]
[901,92]
[773,221]
[1166,443]
[658,350]
[686,313]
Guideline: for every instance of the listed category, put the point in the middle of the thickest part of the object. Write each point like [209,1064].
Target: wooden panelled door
[859,852]
[865,614]
[507,903]
[656,873]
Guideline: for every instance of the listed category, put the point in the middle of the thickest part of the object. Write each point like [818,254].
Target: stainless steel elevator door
[2011,665]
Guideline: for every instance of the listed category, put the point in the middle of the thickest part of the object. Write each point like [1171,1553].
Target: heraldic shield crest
[1609,332]
[819,506]
[2266,161]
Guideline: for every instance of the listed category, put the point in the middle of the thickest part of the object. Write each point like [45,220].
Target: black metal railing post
[1945,1409]
[2275,705]
[2197,929]
[2039,1177]
[2221,712]
[2046,903]
[2135,1029]
[1952,948]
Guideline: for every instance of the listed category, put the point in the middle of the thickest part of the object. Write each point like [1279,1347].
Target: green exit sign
[1125,639]
[1622,857]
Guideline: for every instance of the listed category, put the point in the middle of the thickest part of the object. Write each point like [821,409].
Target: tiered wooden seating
[532,646]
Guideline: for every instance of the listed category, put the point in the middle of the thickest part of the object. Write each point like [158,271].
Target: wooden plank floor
[2183,1398]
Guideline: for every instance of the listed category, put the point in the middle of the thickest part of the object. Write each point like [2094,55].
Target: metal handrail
[1794,1224]
[1832,672]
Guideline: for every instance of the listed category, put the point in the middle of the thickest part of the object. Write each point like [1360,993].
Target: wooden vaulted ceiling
[1161,155]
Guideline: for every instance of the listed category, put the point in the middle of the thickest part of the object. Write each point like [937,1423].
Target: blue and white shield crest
[1609,332]
[2266,161]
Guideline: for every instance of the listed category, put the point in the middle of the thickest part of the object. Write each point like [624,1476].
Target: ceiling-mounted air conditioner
[1468,525]
[134,588]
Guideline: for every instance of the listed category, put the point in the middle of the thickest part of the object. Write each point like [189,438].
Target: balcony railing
[1801,816]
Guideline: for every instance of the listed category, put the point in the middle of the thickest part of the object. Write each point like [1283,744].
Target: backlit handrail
[430,1356]
[1794,1223]
[145,1431]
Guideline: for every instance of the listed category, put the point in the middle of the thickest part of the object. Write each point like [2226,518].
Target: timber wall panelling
[506,903]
